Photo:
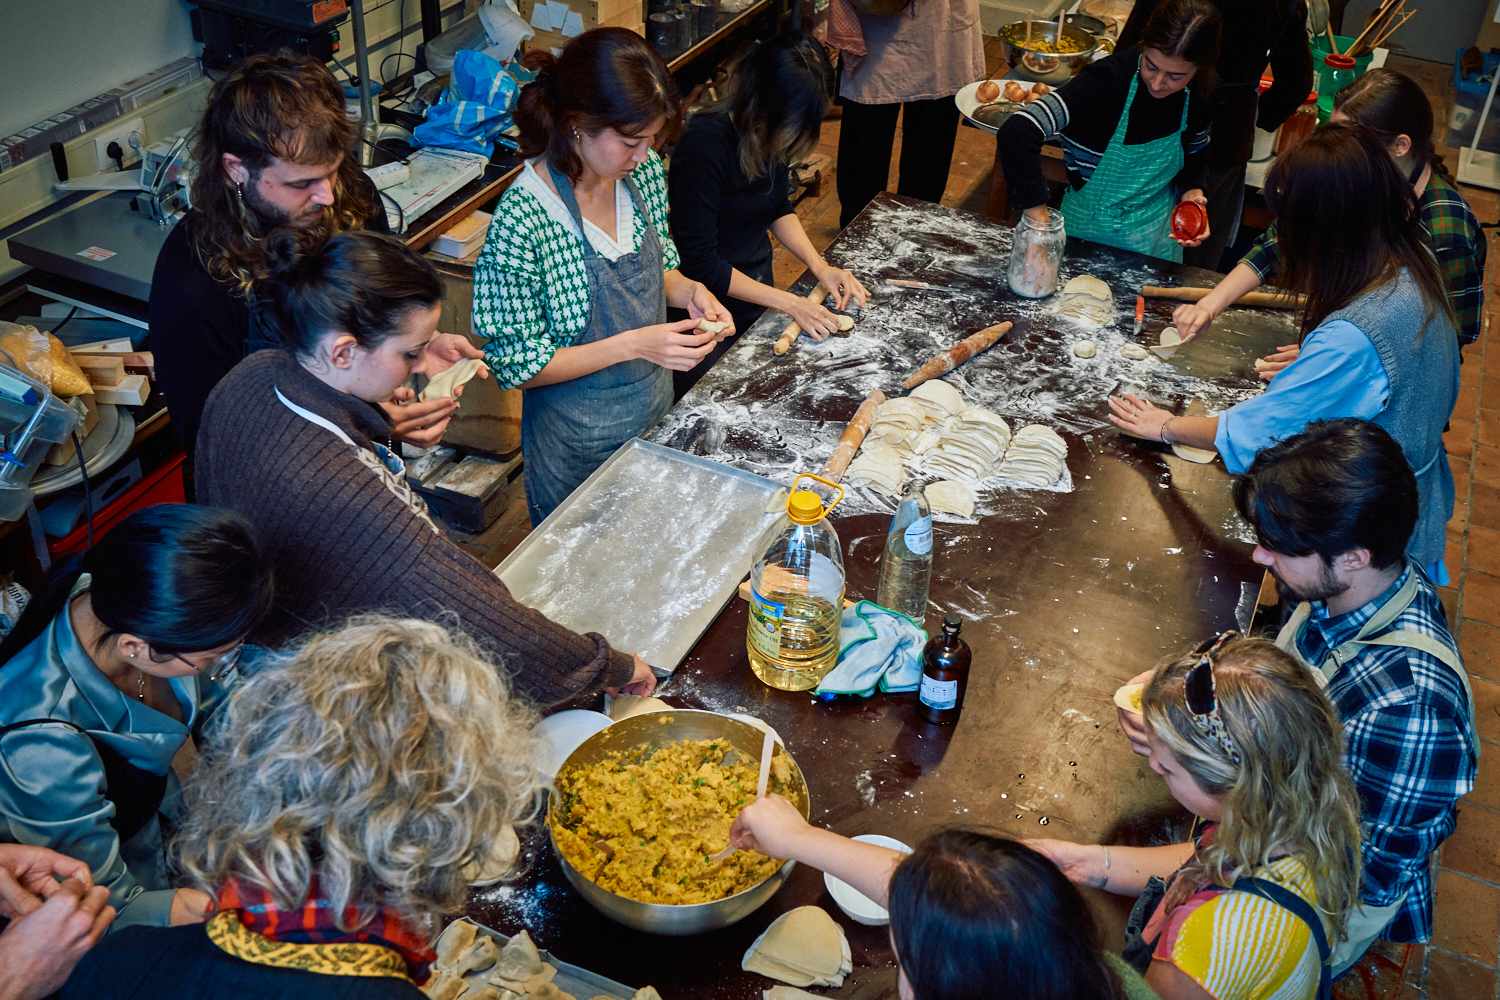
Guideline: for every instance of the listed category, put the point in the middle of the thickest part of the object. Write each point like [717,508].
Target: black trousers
[1225,191]
[866,136]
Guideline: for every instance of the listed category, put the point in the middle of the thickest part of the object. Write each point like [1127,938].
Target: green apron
[1128,201]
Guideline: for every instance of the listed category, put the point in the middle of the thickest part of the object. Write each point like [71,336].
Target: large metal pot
[626,735]
[1025,57]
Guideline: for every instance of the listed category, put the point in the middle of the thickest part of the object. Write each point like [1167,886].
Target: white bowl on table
[856,905]
[564,733]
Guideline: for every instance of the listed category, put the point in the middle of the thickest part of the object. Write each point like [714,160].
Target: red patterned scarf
[314,923]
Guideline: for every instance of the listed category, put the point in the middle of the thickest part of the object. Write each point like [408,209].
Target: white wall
[1434,32]
[58,53]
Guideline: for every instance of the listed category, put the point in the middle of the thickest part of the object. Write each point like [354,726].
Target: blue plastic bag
[475,108]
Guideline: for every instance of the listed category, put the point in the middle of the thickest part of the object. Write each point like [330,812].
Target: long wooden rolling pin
[957,355]
[853,437]
[1272,300]
[784,342]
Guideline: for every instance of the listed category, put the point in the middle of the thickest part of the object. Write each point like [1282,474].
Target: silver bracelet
[1163,432]
[1106,855]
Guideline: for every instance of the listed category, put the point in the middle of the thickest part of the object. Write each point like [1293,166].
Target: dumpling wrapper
[951,497]
[499,864]
[457,938]
[445,986]
[1200,456]
[1170,341]
[940,393]
[444,382]
[803,947]
[1087,284]
[626,705]
[1128,697]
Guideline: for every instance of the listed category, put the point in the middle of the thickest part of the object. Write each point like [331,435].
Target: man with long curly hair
[272,151]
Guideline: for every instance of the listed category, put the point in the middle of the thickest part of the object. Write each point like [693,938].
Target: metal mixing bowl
[649,729]
[1068,63]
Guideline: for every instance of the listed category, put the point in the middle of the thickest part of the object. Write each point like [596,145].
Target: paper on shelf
[573,24]
[559,13]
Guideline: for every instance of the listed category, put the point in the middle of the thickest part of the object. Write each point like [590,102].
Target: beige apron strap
[1429,645]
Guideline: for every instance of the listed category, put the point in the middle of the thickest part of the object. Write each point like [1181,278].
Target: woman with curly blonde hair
[351,794]
[1246,740]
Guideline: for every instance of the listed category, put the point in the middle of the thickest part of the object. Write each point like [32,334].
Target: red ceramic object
[1189,220]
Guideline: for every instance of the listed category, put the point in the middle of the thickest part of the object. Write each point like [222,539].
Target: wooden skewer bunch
[1381,26]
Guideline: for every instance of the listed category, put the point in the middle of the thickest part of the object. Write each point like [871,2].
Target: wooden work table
[1064,595]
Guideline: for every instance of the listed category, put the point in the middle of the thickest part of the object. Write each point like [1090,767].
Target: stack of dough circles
[1037,456]
[970,448]
[938,398]
[1087,300]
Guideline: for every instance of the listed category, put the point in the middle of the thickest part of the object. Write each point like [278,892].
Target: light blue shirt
[1337,374]
[52,781]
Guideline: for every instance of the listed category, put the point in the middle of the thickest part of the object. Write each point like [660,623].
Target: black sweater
[200,329]
[720,216]
[1262,32]
[1084,113]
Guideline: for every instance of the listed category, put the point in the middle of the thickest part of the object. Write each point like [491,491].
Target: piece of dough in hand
[1170,341]
[444,382]
[709,326]
[1085,348]
[1135,352]
[626,705]
[845,323]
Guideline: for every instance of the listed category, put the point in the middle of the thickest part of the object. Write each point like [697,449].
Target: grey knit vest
[1420,358]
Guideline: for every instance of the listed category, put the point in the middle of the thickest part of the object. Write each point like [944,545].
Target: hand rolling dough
[803,947]
[1085,348]
[444,382]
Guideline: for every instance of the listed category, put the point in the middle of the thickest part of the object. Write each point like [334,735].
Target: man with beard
[1333,509]
[273,150]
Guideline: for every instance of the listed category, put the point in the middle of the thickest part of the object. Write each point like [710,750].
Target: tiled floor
[1461,962]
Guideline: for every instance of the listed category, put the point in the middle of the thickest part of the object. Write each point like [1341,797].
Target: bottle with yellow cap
[797,595]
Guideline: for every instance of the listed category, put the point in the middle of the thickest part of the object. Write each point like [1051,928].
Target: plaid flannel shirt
[1407,731]
[1456,240]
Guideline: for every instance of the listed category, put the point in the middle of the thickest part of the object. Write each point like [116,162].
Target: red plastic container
[1189,220]
[164,485]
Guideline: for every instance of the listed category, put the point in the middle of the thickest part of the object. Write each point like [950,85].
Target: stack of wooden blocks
[118,378]
[593,13]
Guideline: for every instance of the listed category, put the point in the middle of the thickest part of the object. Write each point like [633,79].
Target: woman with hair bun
[729,185]
[572,287]
[125,652]
[291,440]
[352,791]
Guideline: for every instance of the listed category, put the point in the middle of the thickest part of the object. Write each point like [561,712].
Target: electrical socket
[119,132]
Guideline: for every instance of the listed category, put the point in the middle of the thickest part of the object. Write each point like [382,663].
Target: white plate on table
[856,905]
[968,105]
[564,733]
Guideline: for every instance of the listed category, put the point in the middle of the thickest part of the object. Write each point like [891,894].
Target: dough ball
[1087,284]
[1135,352]
[846,323]
[1201,456]
[1085,348]
[987,92]
[941,393]
[951,497]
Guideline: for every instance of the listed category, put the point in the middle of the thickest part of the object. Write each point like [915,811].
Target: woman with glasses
[1247,741]
[122,654]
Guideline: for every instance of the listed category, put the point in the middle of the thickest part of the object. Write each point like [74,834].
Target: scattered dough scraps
[803,947]
[951,497]
[1201,456]
[1170,341]
[626,705]
[444,382]
[1085,348]
[1135,352]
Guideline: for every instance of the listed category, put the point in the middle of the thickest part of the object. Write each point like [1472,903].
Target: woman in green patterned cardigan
[572,286]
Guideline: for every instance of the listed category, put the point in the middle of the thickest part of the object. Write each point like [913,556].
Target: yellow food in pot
[643,826]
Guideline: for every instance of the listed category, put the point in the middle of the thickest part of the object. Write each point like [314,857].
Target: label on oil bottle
[938,694]
[918,536]
[765,624]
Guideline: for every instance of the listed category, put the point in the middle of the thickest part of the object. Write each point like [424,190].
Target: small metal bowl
[1083,22]
[1067,64]
[656,730]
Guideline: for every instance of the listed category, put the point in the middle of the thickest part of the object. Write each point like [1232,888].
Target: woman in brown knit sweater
[290,439]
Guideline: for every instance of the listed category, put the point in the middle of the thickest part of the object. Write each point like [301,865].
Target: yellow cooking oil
[797,595]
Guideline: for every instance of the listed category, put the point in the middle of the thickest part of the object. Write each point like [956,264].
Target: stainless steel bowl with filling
[654,731]
[1035,61]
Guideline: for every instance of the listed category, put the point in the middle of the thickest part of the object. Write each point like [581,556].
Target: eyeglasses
[1201,694]
[220,668]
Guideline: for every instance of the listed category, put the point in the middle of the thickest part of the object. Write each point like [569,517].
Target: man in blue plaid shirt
[1333,509]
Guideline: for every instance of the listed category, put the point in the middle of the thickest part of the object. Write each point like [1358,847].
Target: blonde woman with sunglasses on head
[1247,741]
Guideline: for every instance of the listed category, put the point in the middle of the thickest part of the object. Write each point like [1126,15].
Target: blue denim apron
[569,428]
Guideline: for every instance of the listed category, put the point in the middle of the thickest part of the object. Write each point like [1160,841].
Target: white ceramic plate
[855,904]
[565,732]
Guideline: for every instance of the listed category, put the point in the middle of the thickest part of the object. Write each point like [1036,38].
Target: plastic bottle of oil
[797,595]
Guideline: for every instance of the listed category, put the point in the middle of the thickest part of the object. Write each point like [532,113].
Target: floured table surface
[1064,595]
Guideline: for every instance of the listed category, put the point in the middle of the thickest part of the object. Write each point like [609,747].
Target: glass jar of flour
[1036,254]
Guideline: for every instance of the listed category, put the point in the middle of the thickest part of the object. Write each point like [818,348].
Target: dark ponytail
[1391,104]
[183,578]
[606,78]
[360,283]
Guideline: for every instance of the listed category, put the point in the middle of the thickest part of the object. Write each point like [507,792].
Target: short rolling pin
[853,437]
[1273,300]
[957,355]
[784,342]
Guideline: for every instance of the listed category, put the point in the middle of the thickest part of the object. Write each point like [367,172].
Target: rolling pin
[853,437]
[784,342]
[957,355]
[1273,300]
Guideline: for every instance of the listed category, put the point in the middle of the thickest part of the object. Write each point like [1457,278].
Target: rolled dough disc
[444,382]
[1085,348]
[626,705]
[1087,284]
[951,497]
[941,393]
[1135,352]
[1202,456]
[1170,341]
[803,947]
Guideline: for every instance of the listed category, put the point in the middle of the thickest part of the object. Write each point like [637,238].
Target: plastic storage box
[1468,102]
[52,420]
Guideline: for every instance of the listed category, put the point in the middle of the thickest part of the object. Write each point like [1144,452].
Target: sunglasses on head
[1201,694]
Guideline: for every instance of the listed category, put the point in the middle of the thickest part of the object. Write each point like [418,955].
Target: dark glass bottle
[945,674]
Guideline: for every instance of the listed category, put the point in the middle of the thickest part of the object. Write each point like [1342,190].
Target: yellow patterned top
[227,932]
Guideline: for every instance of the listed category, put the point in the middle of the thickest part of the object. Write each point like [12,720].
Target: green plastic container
[1326,88]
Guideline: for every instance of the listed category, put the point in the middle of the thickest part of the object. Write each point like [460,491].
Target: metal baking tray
[581,983]
[646,552]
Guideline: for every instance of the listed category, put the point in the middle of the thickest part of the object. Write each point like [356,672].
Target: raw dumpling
[803,947]
[1087,284]
[1135,352]
[457,938]
[951,497]
[445,986]
[941,393]
[519,961]
[480,956]
[1085,348]
[550,991]
[444,382]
